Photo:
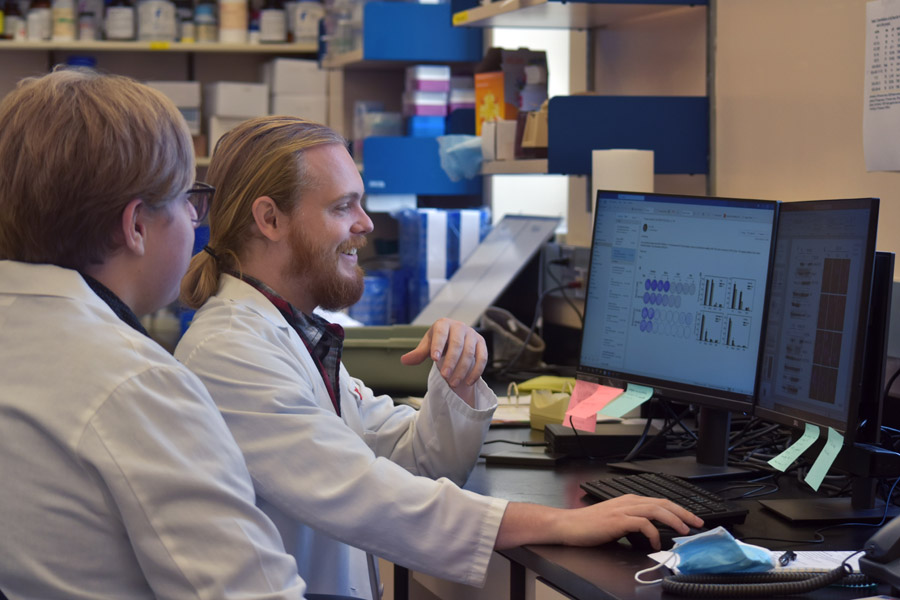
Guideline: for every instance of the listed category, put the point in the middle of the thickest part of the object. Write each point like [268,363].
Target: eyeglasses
[200,196]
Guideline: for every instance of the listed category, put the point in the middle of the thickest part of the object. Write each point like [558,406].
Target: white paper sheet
[881,110]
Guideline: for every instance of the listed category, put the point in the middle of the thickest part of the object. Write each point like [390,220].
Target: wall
[788,88]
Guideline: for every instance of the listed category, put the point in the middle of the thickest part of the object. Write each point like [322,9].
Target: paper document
[881,108]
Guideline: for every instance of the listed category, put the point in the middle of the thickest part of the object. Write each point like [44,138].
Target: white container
[186,96]
[272,26]
[156,20]
[294,76]
[233,99]
[219,126]
[39,23]
[305,25]
[120,23]
[233,21]
[313,108]
[63,14]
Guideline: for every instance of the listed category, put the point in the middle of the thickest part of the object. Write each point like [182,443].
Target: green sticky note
[634,396]
[826,458]
[793,452]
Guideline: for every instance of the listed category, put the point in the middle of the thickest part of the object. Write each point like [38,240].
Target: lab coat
[383,478]
[119,476]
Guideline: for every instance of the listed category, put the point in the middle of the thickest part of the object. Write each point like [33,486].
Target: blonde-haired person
[340,470]
[121,479]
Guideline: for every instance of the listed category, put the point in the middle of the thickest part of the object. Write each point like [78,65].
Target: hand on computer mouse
[641,542]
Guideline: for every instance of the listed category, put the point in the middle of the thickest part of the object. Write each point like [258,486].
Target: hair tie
[209,251]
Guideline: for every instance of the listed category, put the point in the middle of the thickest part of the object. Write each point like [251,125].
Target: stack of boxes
[434,243]
[229,103]
[426,100]
[186,96]
[297,88]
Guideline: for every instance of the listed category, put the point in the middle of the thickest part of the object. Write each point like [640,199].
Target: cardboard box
[186,96]
[498,140]
[498,80]
[218,126]
[294,76]
[313,108]
[233,99]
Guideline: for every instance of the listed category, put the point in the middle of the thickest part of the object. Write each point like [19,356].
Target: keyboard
[713,509]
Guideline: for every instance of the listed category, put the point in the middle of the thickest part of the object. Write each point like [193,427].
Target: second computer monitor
[676,294]
[812,366]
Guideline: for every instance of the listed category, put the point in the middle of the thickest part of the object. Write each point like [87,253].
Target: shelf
[208,47]
[559,14]
[676,128]
[202,161]
[410,165]
[409,33]
[537,166]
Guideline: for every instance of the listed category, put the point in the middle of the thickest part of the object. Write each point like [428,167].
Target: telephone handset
[882,558]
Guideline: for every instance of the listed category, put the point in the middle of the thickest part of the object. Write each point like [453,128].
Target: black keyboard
[713,509]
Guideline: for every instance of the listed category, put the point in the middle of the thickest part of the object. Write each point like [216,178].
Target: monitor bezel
[852,421]
[683,392]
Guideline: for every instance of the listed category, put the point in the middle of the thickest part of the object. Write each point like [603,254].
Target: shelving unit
[396,35]
[558,14]
[647,85]
[160,46]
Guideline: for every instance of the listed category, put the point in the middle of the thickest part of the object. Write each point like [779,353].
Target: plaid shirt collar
[323,340]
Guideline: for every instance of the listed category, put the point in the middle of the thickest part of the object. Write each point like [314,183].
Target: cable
[565,262]
[754,585]
[537,313]
[514,442]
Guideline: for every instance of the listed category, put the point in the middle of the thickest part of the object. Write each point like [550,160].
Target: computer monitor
[676,299]
[825,341]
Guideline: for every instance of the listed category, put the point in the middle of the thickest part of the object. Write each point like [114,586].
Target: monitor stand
[711,460]
[827,509]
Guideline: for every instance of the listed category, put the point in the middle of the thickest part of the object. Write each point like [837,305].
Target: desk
[607,571]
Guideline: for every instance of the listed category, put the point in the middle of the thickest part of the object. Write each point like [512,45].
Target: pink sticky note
[586,403]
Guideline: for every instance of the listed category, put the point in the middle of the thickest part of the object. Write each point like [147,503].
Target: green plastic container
[373,353]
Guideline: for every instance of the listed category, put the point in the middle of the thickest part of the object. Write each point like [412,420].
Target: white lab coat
[118,476]
[353,477]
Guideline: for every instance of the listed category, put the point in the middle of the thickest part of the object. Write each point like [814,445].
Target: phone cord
[753,585]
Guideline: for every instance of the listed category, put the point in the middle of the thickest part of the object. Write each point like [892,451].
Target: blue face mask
[716,551]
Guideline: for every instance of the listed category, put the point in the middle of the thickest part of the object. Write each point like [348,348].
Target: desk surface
[608,571]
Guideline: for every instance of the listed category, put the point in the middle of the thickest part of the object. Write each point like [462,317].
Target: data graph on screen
[678,284]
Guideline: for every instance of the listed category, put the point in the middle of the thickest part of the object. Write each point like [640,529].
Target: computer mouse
[641,543]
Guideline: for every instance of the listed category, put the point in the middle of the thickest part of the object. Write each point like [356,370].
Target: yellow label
[160,45]
[460,17]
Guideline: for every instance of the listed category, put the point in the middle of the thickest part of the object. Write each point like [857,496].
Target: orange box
[490,104]
[498,80]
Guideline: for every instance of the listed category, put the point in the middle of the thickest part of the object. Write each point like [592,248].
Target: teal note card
[633,397]
[793,452]
[826,458]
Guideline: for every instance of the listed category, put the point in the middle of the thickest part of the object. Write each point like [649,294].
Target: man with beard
[340,470]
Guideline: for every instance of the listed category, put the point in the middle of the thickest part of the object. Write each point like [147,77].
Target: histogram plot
[737,332]
[740,295]
[708,328]
[713,291]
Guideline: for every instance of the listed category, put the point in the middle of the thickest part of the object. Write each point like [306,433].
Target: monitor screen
[676,295]
[813,349]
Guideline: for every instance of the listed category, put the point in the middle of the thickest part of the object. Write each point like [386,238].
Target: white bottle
[156,20]
[120,21]
[63,14]
[39,21]
[272,25]
[233,21]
